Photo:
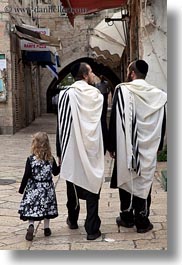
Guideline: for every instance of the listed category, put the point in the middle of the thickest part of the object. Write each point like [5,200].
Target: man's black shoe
[71,226]
[121,222]
[145,230]
[94,236]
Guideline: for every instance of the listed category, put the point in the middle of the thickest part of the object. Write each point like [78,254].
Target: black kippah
[74,69]
[142,66]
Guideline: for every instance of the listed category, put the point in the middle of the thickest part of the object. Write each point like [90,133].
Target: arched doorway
[98,69]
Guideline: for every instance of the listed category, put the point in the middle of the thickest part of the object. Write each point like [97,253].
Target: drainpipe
[134,7]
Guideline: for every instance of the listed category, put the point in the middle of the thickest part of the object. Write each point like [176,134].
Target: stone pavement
[14,151]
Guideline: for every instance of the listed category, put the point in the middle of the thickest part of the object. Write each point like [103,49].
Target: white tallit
[83,161]
[145,102]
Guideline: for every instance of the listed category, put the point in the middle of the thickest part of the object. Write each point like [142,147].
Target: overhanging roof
[36,37]
[80,7]
[42,57]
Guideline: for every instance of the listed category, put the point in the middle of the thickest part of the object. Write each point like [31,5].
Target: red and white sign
[31,46]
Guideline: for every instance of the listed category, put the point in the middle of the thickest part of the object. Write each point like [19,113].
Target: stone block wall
[74,41]
[6,112]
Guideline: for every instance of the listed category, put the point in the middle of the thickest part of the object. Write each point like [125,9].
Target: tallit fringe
[131,199]
[76,195]
[144,213]
[111,166]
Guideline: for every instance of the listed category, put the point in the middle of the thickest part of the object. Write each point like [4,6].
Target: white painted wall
[153,40]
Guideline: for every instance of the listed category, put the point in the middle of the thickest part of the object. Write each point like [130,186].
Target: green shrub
[162,155]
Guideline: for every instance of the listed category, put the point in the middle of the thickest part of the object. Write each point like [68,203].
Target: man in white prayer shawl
[80,147]
[137,125]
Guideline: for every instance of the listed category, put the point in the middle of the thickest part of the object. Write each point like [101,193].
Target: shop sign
[31,46]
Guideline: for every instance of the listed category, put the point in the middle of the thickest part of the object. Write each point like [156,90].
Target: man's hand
[59,161]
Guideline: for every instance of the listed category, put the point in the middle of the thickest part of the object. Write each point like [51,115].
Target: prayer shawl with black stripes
[139,116]
[80,136]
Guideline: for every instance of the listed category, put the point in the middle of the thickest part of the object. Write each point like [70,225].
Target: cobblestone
[12,229]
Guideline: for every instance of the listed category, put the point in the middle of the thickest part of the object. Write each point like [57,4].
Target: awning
[41,58]
[36,37]
[108,42]
[80,7]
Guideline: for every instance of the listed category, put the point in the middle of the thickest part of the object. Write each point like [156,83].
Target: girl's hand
[112,154]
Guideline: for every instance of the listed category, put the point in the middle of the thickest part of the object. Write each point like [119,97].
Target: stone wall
[153,41]
[74,42]
[20,106]
[27,84]
[6,112]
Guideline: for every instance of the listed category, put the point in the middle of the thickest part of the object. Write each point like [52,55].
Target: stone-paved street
[14,151]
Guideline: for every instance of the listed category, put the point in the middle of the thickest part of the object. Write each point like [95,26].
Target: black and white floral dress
[39,199]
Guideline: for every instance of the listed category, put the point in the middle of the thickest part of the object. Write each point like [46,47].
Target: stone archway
[98,69]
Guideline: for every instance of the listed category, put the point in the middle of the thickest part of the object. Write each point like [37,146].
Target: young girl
[39,199]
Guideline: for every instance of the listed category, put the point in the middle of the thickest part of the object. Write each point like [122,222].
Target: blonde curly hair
[41,147]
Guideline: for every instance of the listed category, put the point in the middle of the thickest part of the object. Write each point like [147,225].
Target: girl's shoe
[29,234]
[47,232]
